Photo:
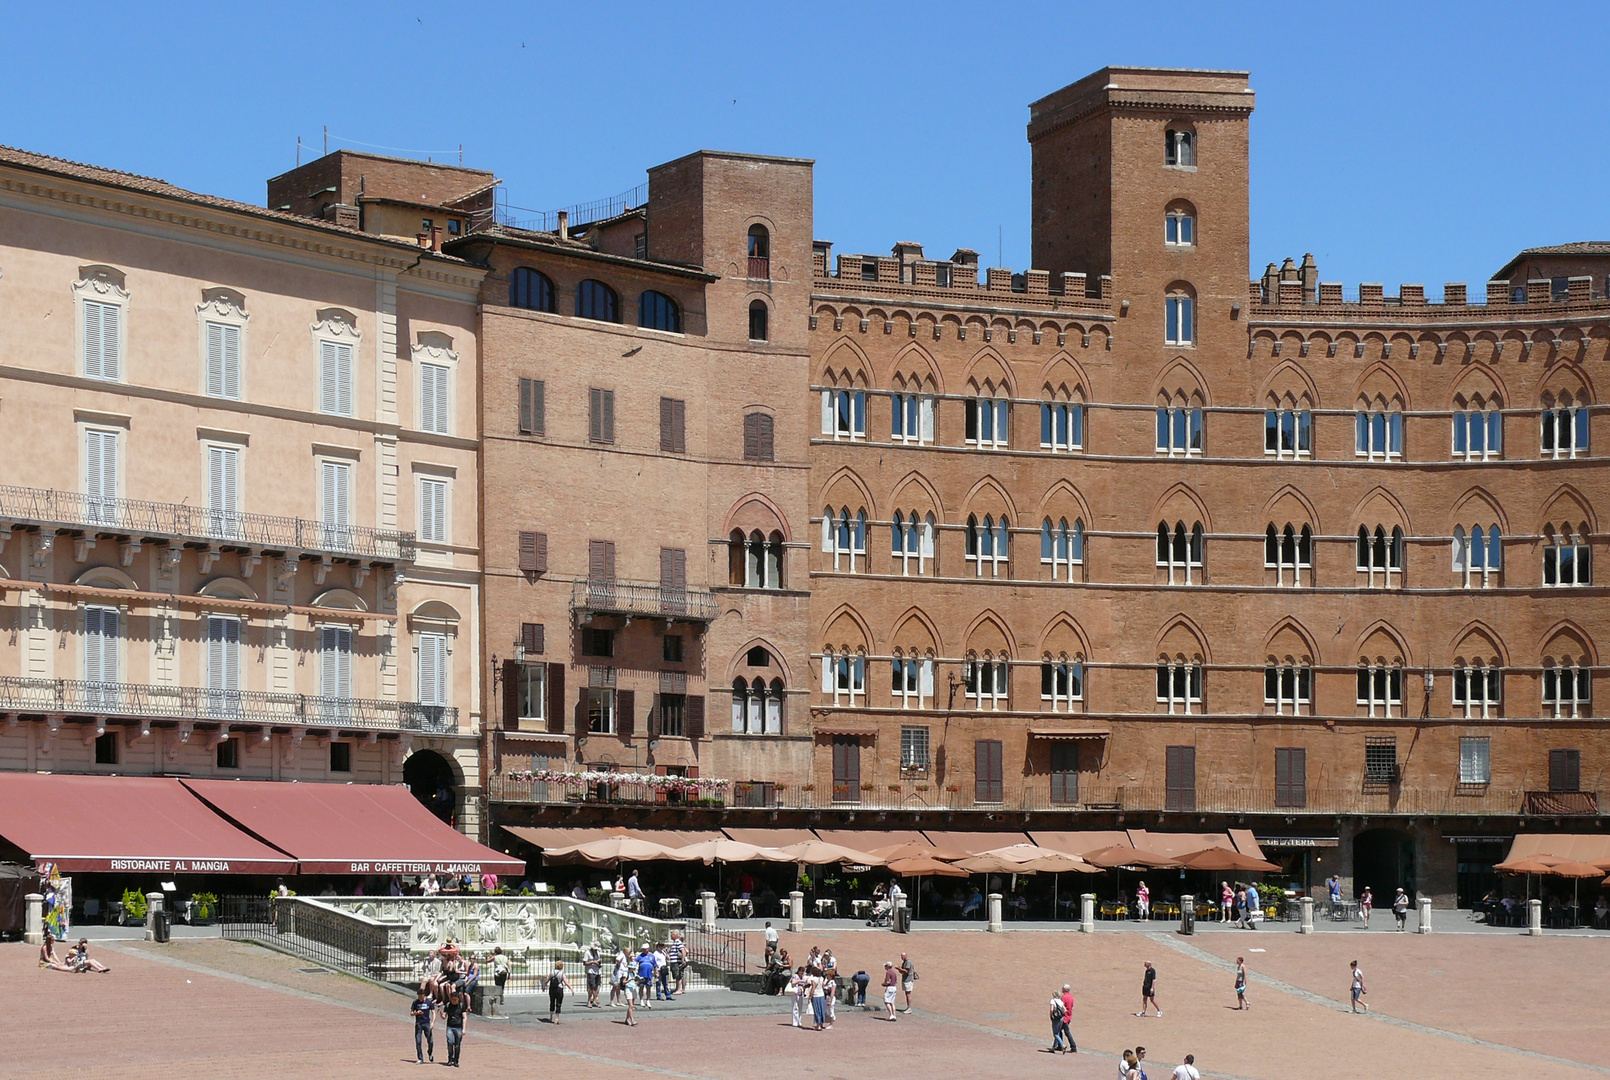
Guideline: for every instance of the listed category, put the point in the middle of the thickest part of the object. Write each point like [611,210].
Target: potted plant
[133,906]
[868,786]
[807,787]
[895,788]
[953,787]
[922,787]
[203,909]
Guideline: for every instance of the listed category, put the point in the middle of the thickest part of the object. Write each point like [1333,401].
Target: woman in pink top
[1143,901]
[1226,901]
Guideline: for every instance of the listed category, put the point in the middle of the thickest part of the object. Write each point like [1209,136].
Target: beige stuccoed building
[238,491]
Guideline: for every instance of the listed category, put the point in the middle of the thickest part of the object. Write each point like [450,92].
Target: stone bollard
[617,901]
[707,912]
[1425,916]
[153,904]
[994,913]
[796,912]
[34,934]
[1534,918]
[1087,913]
[1306,926]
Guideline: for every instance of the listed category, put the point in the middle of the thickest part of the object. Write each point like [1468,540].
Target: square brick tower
[1141,173]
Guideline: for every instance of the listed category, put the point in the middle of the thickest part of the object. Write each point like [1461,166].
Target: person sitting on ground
[80,960]
[47,953]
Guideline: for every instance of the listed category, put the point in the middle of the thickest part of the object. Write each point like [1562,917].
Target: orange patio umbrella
[1116,856]
[1216,859]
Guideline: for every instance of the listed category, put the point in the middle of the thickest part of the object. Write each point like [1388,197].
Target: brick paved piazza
[1466,1005]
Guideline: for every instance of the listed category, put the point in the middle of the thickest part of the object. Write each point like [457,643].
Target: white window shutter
[329,372]
[93,335]
[334,496]
[232,362]
[100,473]
[433,669]
[344,378]
[433,398]
[827,412]
[215,359]
[110,341]
[927,684]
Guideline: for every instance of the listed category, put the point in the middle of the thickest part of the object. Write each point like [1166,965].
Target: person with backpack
[500,979]
[1061,1014]
[1400,909]
[558,985]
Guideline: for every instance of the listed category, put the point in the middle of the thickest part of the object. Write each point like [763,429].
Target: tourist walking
[620,980]
[1148,991]
[592,965]
[1254,907]
[1241,984]
[645,975]
[1240,906]
[1226,901]
[676,954]
[1143,902]
[908,979]
[1129,1066]
[1061,1012]
[557,987]
[424,1038]
[890,981]
[1187,1071]
[1358,987]
[634,893]
[1400,909]
[631,997]
[453,1012]
[500,979]
[1366,904]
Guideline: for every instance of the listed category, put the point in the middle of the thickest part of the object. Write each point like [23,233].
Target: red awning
[352,828]
[138,824]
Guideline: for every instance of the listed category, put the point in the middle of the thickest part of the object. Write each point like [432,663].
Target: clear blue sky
[1420,142]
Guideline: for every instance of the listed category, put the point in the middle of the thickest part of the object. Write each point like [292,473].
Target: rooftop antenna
[326,138]
[461,153]
[299,151]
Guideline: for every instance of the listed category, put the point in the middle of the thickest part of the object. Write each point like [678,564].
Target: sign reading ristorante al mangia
[174,866]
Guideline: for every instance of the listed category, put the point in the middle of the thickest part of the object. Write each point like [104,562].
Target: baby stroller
[882,913]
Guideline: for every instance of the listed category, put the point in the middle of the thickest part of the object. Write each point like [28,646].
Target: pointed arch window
[844,677]
[1478,690]
[844,537]
[1380,556]
[755,560]
[1567,560]
[1478,435]
[1062,683]
[1290,554]
[1478,556]
[912,543]
[1179,687]
[844,413]
[1288,689]
[989,422]
[1180,553]
[1565,428]
[757,706]
[1179,431]
[987,683]
[1062,426]
[1378,436]
[1062,548]
[1380,689]
[912,680]
[1288,433]
[1567,690]
[989,546]
[911,418]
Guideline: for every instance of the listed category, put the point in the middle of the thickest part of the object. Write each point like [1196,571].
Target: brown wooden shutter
[533,553]
[511,695]
[581,711]
[693,717]
[988,771]
[768,441]
[625,710]
[525,406]
[752,437]
[673,416]
[595,414]
[654,717]
[1291,776]
[608,420]
[556,699]
[1180,778]
[601,560]
[531,637]
[1565,770]
[673,568]
[735,560]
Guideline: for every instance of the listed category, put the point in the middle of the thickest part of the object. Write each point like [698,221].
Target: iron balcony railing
[138,701]
[1054,794]
[644,598]
[179,521]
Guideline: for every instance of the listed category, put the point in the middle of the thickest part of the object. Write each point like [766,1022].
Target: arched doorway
[1383,859]
[430,777]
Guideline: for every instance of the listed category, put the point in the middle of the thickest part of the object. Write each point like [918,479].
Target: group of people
[1132,1066]
[1242,903]
[658,968]
[77,959]
[453,1010]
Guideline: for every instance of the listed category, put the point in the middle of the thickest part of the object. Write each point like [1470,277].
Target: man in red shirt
[1063,1031]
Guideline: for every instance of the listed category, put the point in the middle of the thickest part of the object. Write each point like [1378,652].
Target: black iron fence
[324,935]
[724,950]
[245,917]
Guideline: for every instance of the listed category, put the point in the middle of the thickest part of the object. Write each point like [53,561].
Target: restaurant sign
[1299,841]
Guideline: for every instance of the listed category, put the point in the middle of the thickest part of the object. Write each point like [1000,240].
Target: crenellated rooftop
[906,274]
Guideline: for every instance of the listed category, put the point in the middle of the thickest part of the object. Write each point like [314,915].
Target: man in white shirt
[1188,1071]
[771,942]
[634,893]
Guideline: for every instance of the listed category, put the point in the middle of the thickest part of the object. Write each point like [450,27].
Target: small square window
[671,648]
[228,754]
[340,757]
